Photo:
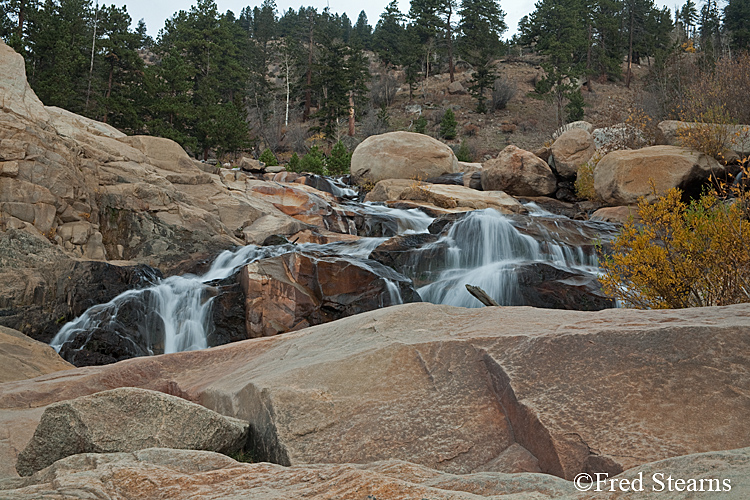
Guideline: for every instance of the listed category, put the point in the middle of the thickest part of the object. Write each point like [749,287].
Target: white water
[484,249]
[410,221]
[177,309]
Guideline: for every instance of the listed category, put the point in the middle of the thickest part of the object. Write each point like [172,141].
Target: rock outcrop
[623,177]
[452,197]
[402,155]
[186,474]
[297,290]
[23,357]
[572,149]
[452,388]
[518,173]
[127,419]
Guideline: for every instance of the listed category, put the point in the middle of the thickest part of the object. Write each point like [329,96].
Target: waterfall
[171,315]
[484,249]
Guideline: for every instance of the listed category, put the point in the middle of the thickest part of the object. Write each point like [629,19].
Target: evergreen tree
[313,162]
[340,160]
[60,53]
[214,48]
[448,125]
[342,73]
[388,40]
[119,86]
[15,19]
[294,163]
[557,30]
[170,110]
[268,158]
[362,33]
[737,22]
[689,18]
[482,24]
[420,125]
[709,28]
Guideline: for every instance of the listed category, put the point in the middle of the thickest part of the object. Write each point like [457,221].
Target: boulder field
[483,392]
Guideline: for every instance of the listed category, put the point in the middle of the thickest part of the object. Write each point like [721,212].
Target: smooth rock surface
[572,149]
[452,388]
[518,173]
[618,215]
[22,357]
[623,177]
[127,419]
[182,474]
[402,155]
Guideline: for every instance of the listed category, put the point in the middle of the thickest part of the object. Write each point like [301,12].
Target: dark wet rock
[456,179]
[552,287]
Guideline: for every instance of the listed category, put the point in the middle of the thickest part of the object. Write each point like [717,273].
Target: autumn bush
[585,177]
[682,254]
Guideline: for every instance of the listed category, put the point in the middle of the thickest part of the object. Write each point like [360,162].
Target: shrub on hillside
[709,131]
[383,90]
[340,160]
[313,162]
[682,254]
[448,125]
[502,92]
[464,153]
[268,158]
[420,125]
[585,178]
[294,163]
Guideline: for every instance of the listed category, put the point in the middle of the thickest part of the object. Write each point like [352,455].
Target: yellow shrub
[585,177]
[682,255]
[710,133]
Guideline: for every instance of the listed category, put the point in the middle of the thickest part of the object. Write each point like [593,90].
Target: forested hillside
[220,83]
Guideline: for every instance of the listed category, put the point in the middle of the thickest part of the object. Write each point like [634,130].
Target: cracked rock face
[455,389]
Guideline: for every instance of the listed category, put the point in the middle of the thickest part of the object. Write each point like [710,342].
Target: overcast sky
[156,12]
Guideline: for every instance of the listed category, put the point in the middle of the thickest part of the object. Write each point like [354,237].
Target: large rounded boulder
[572,149]
[402,155]
[518,173]
[622,177]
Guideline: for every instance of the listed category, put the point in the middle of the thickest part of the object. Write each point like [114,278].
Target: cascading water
[484,249]
[172,315]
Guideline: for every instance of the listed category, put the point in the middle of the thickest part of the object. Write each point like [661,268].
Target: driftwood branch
[481,295]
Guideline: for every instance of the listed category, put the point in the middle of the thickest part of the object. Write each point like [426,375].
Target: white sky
[156,12]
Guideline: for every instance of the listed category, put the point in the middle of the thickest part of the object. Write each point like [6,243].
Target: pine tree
[214,48]
[482,24]
[362,33]
[62,33]
[556,28]
[119,70]
[294,163]
[737,22]
[339,160]
[389,37]
[268,158]
[313,162]
[448,125]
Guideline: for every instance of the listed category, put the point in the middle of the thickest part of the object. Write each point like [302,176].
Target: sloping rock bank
[454,389]
[182,474]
